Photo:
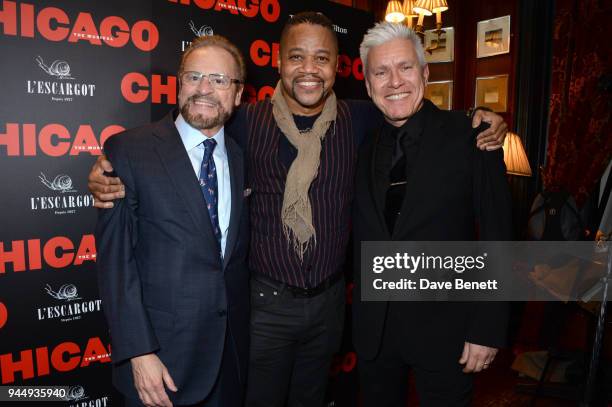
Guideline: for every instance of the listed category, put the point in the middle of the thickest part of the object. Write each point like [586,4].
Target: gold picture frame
[492,92]
[493,37]
[440,93]
[442,49]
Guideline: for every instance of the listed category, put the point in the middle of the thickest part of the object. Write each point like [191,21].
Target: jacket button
[222,312]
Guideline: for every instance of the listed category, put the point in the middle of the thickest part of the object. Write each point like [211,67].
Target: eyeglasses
[216,80]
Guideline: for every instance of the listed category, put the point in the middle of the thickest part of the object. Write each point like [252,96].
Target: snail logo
[67,292]
[72,307]
[75,393]
[61,86]
[198,32]
[61,183]
[59,69]
[202,31]
[65,201]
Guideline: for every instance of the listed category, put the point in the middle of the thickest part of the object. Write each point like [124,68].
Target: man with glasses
[302,147]
[172,255]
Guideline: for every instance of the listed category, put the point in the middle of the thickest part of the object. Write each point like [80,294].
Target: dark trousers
[439,383]
[228,391]
[292,343]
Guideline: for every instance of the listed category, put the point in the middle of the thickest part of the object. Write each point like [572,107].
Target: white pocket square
[247,192]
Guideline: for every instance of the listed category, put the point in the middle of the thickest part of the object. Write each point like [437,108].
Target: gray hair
[384,32]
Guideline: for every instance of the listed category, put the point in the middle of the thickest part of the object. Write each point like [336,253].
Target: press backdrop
[74,73]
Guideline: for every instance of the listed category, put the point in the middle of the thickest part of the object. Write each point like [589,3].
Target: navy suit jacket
[164,287]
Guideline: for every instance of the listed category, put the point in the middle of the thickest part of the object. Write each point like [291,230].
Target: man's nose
[395,79]
[204,86]
[308,65]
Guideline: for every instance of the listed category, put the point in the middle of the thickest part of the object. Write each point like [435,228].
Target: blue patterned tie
[208,183]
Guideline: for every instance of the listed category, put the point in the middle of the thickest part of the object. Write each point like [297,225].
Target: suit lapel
[236,167]
[373,186]
[175,160]
[419,174]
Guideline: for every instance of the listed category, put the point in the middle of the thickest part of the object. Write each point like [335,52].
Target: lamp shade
[394,12]
[515,157]
[423,7]
[407,8]
[439,6]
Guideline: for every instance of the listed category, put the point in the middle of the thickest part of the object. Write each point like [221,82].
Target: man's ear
[238,97]
[367,83]
[425,73]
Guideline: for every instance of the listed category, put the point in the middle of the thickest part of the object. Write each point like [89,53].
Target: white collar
[193,137]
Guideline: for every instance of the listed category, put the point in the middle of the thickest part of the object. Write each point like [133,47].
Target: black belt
[299,292]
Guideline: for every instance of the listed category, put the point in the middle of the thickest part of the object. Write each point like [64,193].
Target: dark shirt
[286,151]
[331,192]
[396,151]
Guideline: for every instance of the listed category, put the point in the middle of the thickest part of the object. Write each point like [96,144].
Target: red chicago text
[64,357]
[57,252]
[54,24]
[53,139]
[269,9]
[252,95]
[348,67]
[343,363]
[136,88]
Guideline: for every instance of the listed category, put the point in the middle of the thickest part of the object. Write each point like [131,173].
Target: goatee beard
[197,121]
[324,93]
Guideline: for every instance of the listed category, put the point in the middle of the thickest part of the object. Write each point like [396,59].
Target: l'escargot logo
[200,31]
[77,397]
[65,201]
[61,183]
[67,292]
[59,69]
[60,87]
[72,307]
[75,393]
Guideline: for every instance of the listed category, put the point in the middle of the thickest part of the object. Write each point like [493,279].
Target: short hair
[309,17]
[384,32]
[219,42]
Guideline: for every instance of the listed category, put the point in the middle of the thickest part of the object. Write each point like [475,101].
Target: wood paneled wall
[464,15]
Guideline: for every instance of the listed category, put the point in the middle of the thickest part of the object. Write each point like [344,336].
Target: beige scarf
[296,214]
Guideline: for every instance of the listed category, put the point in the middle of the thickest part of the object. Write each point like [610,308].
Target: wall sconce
[394,13]
[427,8]
[408,13]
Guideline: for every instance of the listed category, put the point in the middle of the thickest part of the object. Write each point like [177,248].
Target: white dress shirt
[193,141]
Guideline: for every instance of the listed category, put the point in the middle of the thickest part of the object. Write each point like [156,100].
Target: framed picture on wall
[440,93]
[493,37]
[492,92]
[440,49]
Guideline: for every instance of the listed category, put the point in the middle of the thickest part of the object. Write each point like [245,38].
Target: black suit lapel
[419,175]
[236,166]
[175,160]
[374,187]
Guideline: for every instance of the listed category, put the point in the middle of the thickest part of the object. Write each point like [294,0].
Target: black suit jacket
[452,186]
[163,285]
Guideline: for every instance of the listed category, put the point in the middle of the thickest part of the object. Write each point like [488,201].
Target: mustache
[205,98]
[308,77]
